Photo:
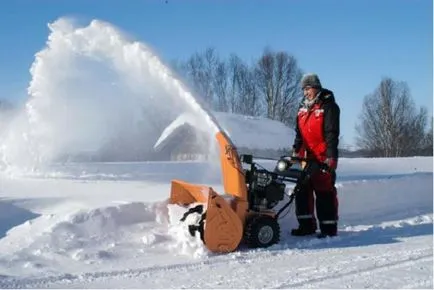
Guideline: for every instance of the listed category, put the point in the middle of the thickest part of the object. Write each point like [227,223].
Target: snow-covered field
[108,225]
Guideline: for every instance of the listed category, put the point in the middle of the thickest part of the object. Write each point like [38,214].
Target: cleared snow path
[335,266]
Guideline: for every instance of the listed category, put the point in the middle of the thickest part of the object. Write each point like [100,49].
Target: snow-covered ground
[108,225]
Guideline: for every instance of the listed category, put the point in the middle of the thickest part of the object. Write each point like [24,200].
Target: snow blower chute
[245,212]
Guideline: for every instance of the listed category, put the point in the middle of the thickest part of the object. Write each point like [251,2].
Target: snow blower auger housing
[245,213]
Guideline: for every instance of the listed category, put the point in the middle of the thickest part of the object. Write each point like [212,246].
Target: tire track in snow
[233,260]
[241,257]
[133,273]
[424,255]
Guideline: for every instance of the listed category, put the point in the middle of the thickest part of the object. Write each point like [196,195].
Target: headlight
[282,165]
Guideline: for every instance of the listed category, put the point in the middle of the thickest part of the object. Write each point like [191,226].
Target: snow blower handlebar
[303,175]
[288,161]
[285,163]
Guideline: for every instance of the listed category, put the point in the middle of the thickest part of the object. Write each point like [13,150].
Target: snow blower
[246,212]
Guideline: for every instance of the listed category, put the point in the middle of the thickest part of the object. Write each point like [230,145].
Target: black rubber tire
[261,231]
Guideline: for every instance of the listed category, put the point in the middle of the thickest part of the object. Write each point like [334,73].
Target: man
[317,138]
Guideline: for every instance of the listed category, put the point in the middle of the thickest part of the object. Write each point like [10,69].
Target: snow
[104,87]
[114,230]
[109,224]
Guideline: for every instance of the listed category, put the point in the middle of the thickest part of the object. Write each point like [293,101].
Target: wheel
[262,231]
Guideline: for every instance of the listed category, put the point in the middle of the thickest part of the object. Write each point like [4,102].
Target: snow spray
[92,88]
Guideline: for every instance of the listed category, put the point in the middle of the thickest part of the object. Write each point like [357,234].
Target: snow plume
[94,92]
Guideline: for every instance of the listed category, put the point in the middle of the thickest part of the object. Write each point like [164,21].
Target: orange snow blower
[245,213]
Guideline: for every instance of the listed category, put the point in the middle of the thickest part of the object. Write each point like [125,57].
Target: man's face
[310,92]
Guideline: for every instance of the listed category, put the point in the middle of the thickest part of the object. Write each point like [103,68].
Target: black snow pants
[325,199]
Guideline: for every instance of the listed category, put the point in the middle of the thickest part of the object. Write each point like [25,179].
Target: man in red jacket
[317,137]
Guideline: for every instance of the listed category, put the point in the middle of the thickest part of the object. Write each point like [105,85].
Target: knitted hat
[310,80]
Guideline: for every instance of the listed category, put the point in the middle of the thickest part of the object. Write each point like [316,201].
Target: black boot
[325,235]
[329,230]
[305,228]
[301,231]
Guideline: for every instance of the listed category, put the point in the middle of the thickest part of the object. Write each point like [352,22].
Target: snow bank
[96,236]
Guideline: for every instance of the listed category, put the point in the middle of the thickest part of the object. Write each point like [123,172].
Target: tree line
[389,125]
[270,86]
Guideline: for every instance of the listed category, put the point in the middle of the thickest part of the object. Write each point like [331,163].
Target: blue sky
[350,44]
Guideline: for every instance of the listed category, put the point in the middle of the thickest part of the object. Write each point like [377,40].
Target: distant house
[188,138]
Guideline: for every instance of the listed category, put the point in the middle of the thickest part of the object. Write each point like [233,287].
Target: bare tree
[428,144]
[234,87]
[268,87]
[248,102]
[208,76]
[234,65]
[199,70]
[389,124]
[221,84]
[277,78]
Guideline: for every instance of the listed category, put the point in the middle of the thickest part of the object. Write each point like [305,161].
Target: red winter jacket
[317,128]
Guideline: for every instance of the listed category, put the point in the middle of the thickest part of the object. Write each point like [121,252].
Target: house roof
[244,131]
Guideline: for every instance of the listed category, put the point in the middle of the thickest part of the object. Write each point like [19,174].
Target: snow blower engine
[265,189]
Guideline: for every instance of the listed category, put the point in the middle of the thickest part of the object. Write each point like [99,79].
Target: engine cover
[275,191]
